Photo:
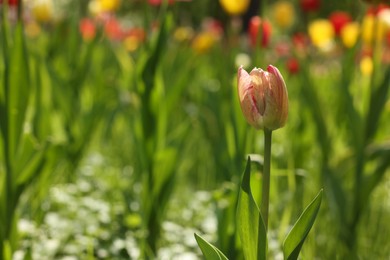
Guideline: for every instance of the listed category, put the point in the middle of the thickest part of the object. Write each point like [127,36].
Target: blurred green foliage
[107,153]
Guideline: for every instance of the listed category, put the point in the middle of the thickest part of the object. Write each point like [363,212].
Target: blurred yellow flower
[131,43]
[321,33]
[366,66]
[109,5]
[32,29]
[42,10]
[371,26]
[284,14]
[203,42]
[94,7]
[184,33]
[349,34]
[235,7]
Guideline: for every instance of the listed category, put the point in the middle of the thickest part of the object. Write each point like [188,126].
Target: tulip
[235,7]
[263,97]
[349,34]
[113,29]
[254,28]
[321,33]
[43,10]
[284,14]
[87,29]
[11,2]
[133,38]
[203,42]
[292,65]
[32,29]
[373,27]
[366,66]
[183,34]
[159,2]
[375,9]
[310,5]
[109,5]
[339,19]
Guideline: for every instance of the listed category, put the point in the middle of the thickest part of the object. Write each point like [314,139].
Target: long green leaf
[17,91]
[209,251]
[377,102]
[253,238]
[294,240]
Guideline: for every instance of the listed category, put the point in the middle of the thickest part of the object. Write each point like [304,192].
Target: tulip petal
[249,98]
[280,95]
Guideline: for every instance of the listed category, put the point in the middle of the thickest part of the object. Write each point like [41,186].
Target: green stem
[266,176]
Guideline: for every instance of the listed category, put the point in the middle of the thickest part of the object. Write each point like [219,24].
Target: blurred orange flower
[203,42]
[87,29]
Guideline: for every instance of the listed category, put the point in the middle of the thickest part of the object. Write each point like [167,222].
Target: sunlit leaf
[293,243]
[209,251]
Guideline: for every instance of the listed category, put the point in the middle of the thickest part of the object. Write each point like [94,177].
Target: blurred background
[122,133]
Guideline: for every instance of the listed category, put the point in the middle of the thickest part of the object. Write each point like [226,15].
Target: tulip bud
[263,97]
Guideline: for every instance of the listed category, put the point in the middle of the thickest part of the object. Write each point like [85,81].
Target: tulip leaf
[253,237]
[377,102]
[209,251]
[29,161]
[293,243]
[17,91]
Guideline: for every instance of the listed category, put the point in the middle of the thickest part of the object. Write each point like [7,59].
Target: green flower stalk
[264,103]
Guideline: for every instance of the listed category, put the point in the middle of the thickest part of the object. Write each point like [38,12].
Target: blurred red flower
[338,20]
[310,5]
[300,40]
[87,29]
[137,33]
[11,2]
[375,2]
[213,26]
[159,2]
[254,27]
[113,29]
[375,9]
[292,65]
